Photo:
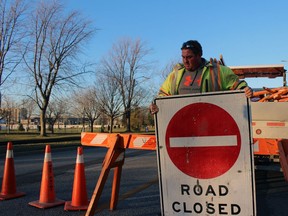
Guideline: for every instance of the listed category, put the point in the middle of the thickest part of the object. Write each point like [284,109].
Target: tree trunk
[111,124]
[52,128]
[91,125]
[42,123]
[83,124]
[128,121]
[28,124]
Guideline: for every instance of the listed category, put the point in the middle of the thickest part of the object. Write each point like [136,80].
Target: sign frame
[182,194]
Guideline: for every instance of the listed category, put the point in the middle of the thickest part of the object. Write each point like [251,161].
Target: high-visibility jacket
[214,77]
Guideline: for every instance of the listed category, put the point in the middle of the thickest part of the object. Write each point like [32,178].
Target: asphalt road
[139,194]
[139,190]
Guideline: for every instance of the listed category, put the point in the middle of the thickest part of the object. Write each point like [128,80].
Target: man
[197,75]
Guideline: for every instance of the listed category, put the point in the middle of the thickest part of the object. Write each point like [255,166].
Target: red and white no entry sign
[203,140]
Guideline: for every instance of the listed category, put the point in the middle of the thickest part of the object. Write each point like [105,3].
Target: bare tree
[168,68]
[5,114]
[126,64]
[109,98]
[55,110]
[11,35]
[29,105]
[9,111]
[55,40]
[87,104]
[139,118]
[2,113]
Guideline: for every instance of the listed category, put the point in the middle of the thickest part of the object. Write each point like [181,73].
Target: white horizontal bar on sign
[99,139]
[203,141]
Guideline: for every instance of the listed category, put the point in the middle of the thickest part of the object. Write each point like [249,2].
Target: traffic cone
[79,194]
[9,181]
[47,191]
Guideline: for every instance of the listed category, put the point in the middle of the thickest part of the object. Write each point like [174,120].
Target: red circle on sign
[202,120]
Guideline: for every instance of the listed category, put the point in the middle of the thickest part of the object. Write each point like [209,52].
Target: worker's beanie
[193,45]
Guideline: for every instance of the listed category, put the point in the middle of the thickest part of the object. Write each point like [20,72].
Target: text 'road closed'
[207,207]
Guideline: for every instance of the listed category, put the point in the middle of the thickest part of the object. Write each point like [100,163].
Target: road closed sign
[205,156]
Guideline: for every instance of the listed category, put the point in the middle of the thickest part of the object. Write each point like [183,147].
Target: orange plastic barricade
[115,156]
[113,159]
[144,142]
[94,139]
[134,141]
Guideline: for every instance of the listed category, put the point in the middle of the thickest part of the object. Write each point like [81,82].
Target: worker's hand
[153,108]
[248,92]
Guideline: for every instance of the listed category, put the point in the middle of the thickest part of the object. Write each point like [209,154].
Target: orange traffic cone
[9,181]
[79,194]
[47,192]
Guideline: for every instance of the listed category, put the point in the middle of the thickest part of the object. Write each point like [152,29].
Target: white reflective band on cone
[47,157]
[80,159]
[9,154]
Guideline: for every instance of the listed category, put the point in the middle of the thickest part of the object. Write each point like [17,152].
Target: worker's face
[190,60]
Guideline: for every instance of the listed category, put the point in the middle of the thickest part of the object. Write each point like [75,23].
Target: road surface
[139,190]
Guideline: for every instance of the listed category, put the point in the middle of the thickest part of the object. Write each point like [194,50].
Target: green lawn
[15,135]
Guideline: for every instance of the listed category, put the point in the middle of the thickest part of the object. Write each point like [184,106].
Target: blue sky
[245,32]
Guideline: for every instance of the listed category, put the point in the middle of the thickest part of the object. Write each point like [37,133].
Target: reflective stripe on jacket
[214,77]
